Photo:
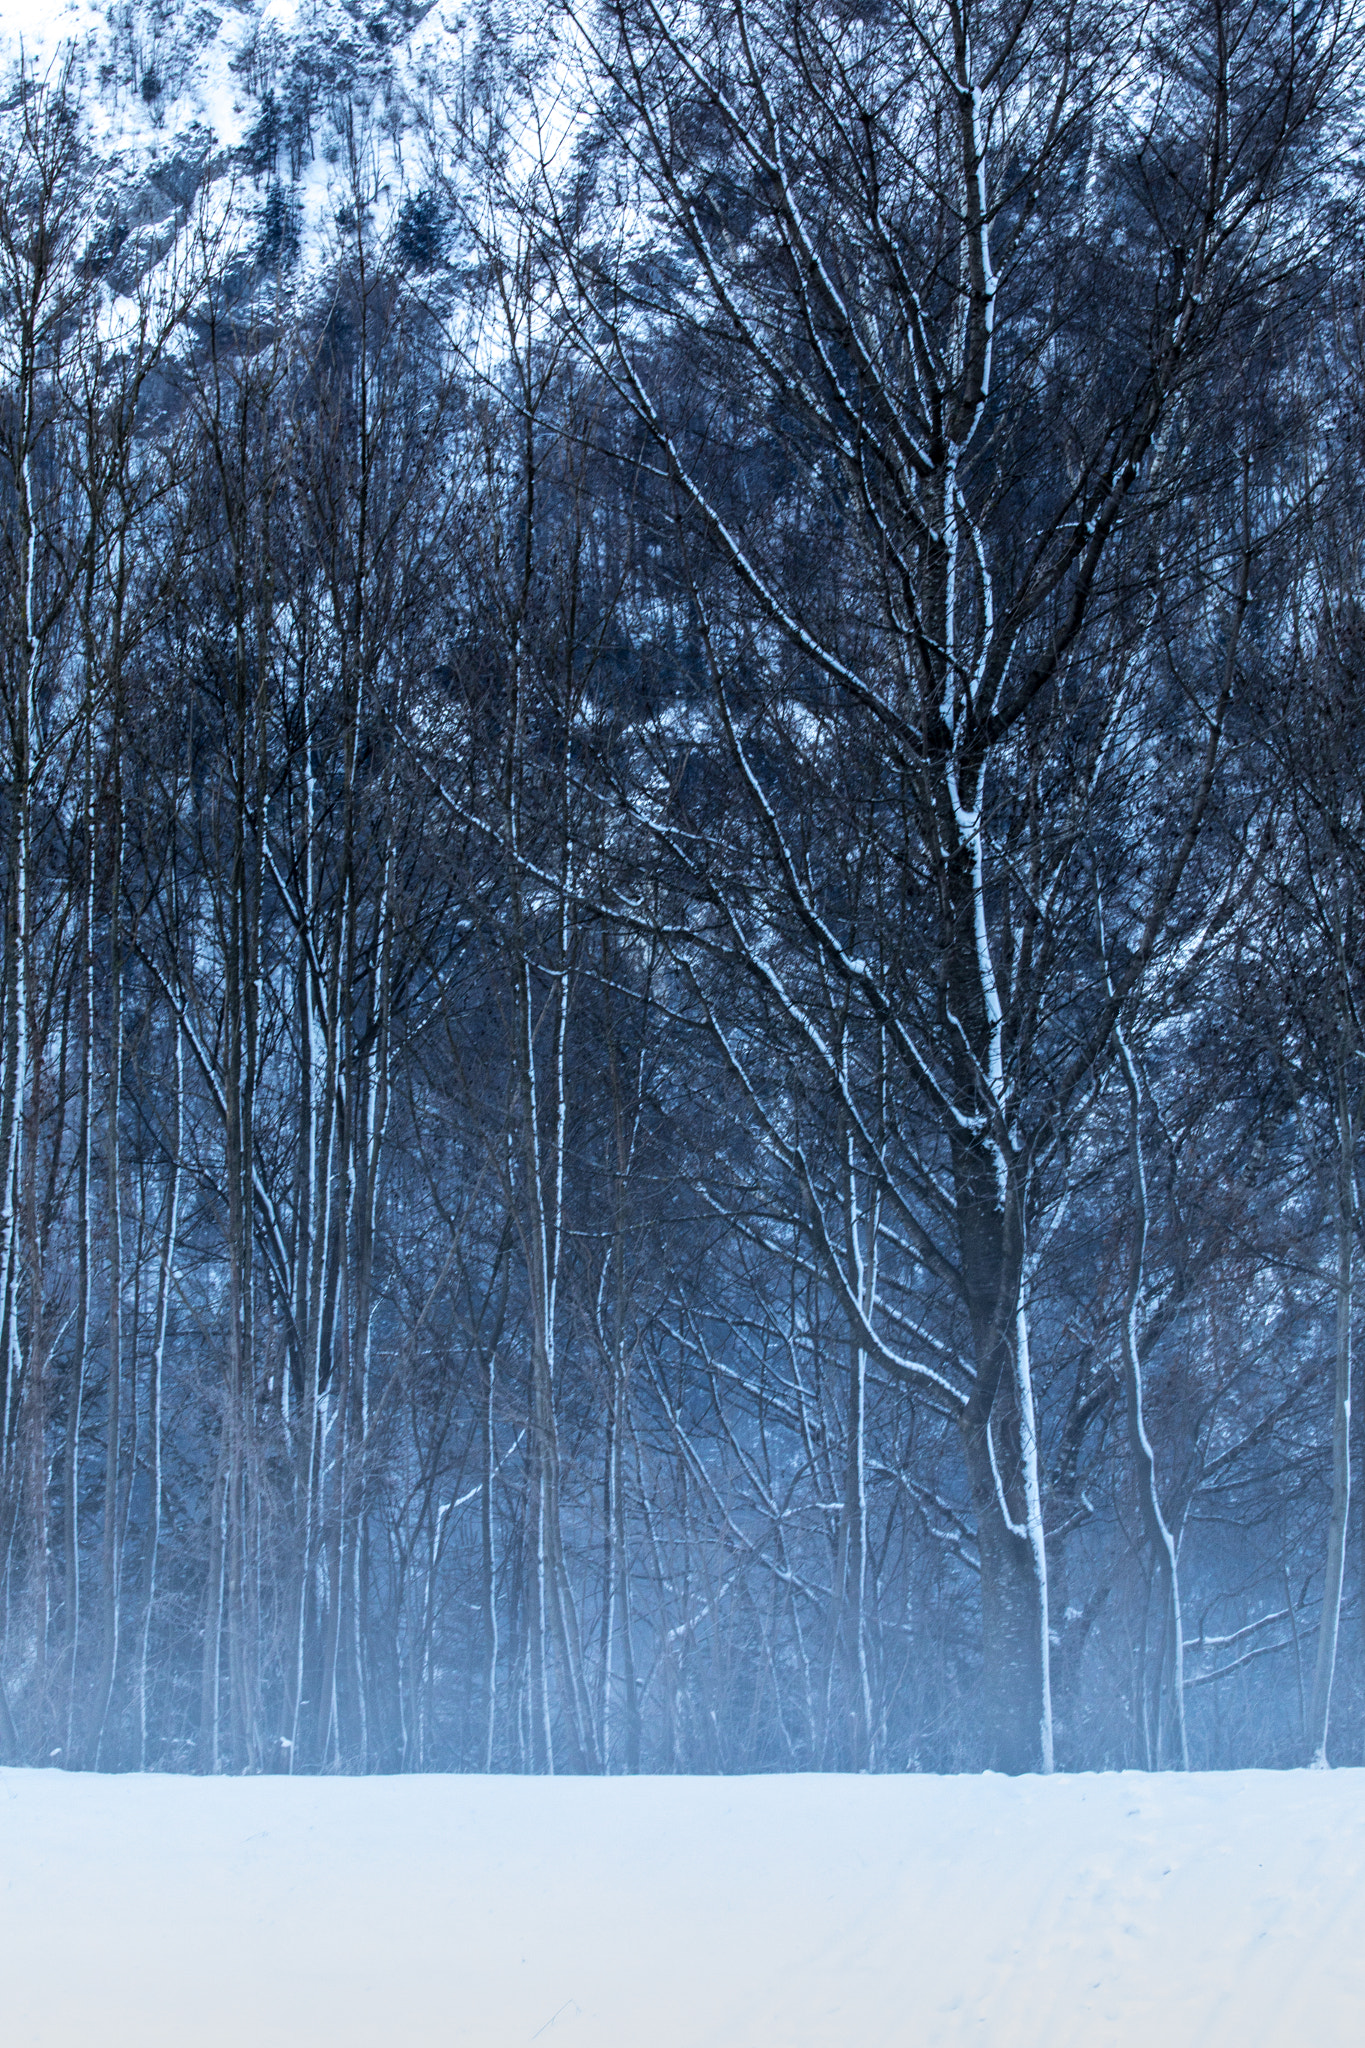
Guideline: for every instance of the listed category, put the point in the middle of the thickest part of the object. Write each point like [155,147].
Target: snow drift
[810,1912]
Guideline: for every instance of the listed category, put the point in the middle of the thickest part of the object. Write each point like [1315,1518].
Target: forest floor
[777,1912]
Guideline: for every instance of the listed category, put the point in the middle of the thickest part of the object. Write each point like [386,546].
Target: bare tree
[858,218]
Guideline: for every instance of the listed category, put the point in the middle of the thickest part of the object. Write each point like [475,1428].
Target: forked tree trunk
[1016,1705]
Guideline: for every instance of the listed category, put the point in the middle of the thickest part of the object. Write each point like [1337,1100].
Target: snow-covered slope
[272,110]
[812,1912]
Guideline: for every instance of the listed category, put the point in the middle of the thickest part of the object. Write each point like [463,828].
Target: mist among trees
[683,872]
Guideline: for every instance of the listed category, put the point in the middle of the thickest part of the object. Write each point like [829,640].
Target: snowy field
[815,1912]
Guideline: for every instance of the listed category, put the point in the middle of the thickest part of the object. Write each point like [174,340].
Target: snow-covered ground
[814,1912]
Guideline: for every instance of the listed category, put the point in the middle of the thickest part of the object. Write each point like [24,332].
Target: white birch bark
[1329,1624]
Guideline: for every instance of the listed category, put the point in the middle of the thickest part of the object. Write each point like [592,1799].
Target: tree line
[680,1055]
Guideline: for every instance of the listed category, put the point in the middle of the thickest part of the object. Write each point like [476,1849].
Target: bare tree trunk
[211,1663]
[1329,1625]
[1170,1668]
[111,1561]
[84,1226]
[488,1579]
[848,1621]
[156,1371]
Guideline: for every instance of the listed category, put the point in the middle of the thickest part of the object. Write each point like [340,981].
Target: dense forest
[681,1047]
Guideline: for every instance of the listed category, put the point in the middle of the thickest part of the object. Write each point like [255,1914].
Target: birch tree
[933,269]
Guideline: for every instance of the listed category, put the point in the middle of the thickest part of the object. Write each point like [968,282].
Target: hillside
[266,114]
